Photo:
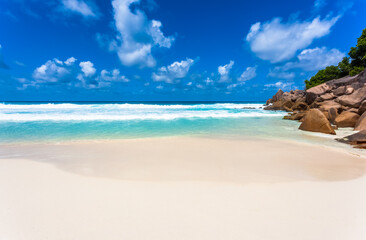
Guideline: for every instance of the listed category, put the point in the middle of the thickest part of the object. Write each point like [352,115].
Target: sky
[164,50]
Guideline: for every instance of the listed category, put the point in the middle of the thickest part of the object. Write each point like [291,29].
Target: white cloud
[114,76]
[50,72]
[281,85]
[87,68]
[67,73]
[276,41]
[137,35]
[315,59]
[224,71]
[174,71]
[309,60]
[249,73]
[70,61]
[80,7]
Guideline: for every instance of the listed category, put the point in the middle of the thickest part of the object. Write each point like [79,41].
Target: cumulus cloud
[70,61]
[224,71]
[277,41]
[113,76]
[173,72]
[315,59]
[51,72]
[137,35]
[68,73]
[249,73]
[79,7]
[87,68]
[308,60]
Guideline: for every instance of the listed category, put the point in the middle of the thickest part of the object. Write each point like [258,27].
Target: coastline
[181,188]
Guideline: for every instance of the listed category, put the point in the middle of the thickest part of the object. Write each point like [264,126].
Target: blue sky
[157,50]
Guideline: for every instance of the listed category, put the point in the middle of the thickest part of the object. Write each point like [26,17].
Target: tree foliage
[352,65]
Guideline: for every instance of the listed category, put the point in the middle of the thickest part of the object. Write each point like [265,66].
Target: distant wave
[126,106]
[126,112]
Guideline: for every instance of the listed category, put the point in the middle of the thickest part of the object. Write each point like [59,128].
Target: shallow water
[49,122]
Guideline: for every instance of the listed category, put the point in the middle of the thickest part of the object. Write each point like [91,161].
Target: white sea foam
[125,112]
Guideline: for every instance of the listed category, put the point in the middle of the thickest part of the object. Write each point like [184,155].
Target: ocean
[64,121]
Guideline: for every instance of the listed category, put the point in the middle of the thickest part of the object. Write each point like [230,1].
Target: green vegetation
[352,65]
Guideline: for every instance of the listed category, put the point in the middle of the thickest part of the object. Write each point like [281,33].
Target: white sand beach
[181,188]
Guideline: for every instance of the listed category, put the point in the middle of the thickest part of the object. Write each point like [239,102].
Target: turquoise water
[47,122]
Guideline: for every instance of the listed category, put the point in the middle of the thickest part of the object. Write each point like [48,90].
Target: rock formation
[335,104]
[315,121]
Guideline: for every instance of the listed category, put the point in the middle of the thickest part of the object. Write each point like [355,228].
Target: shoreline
[67,154]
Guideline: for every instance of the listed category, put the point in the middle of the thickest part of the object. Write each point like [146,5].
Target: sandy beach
[181,188]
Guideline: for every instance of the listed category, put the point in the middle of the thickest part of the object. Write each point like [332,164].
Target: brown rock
[339,91]
[326,105]
[315,121]
[310,97]
[326,114]
[357,139]
[353,100]
[349,90]
[332,113]
[354,110]
[347,119]
[362,108]
[301,99]
[320,89]
[327,96]
[302,106]
[280,105]
[277,96]
[295,116]
[361,123]
[314,105]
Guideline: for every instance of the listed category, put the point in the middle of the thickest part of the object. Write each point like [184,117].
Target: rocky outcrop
[362,108]
[282,104]
[357,140]
[361,123]
[341,102]
[315,121]
[347,119]
[353,100]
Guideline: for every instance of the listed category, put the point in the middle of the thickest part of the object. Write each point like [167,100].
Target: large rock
[284,105]
[295,116]
[357,139]
[277,96]
[301,106]
[361,123]
[326,105]
[347,119]
[327,96]
[353,100]
[315,121]
[362,108]
[339,91]
[320,89]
